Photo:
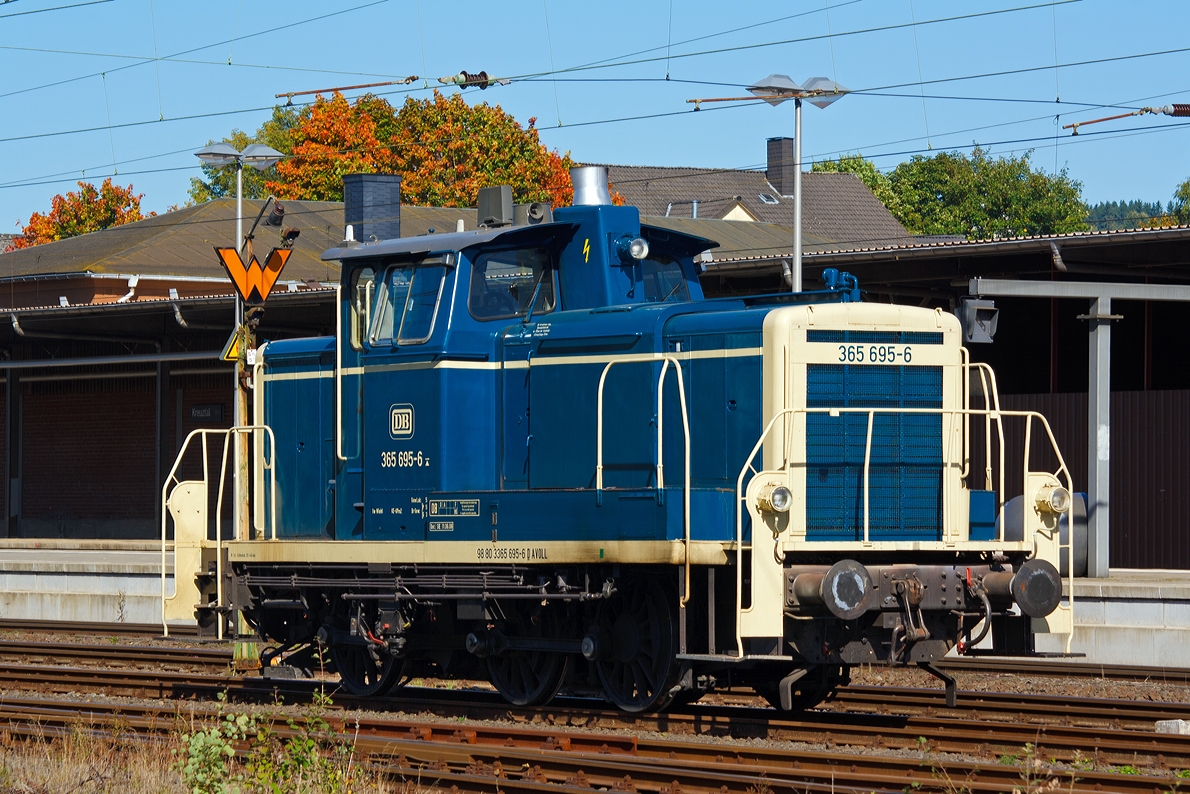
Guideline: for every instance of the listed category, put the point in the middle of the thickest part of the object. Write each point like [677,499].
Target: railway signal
[253,281]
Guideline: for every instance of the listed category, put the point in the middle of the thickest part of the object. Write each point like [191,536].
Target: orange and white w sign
[253,282]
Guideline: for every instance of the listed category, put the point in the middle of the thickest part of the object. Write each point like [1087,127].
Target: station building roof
[838,210]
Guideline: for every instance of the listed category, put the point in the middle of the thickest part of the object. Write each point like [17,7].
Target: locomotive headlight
[1053,499]
[774,499]
[632,248]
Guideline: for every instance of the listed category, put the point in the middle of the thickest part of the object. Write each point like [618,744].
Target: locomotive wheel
[529,678]
[638,670]
[366,670]
[808,691]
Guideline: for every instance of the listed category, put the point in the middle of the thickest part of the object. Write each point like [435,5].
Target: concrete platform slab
[95,581]
[1132,617]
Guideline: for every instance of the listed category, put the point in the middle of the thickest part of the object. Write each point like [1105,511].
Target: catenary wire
[713,35]
[802,39]
[192,61]
[1046,140]
[857,91]
[244,37]
[55,8]
[28,182]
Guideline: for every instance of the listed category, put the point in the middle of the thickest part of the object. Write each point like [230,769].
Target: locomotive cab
[537,454]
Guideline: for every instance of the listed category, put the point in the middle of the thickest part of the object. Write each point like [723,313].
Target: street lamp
[257,155]
[775,89]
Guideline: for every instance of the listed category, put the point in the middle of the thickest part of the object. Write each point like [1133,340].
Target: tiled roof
[180,243]
[837,209]
[739,239]
[1030,242]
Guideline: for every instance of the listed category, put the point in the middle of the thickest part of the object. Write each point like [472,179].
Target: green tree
[878,182]
[1179,208]
[1124,214]
[985,197]
[277,132]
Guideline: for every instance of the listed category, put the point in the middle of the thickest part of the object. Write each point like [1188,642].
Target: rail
[990,415]
[660,467]
[172,481]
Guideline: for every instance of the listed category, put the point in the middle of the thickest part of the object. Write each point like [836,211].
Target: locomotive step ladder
[200,568]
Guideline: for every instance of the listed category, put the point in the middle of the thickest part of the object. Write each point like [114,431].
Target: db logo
[400,421]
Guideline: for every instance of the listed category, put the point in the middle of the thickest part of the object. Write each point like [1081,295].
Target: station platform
[1131,617]
[1138,617]
[82,581]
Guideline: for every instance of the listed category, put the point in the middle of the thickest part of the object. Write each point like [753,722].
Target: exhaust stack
[590,186]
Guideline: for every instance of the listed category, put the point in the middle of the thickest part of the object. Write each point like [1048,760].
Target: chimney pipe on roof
[590,186]
[780,165]
[372,206]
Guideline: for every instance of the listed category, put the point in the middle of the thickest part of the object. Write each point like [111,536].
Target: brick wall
[88,458]
[89,452]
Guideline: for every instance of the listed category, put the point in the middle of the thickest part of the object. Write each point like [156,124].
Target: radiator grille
[905,479]
[875,337]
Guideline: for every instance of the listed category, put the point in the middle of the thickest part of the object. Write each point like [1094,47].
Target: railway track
[858,699]
[1008,666]
[1056,669]
[474,756]
[988,726]
[157,655]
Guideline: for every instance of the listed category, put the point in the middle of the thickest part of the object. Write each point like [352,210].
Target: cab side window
[510,283]
[421,304]
[407,305]
[362,295]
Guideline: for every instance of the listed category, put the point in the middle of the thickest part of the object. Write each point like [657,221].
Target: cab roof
[687,244]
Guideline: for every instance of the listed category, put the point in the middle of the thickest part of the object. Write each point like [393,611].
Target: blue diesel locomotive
[535,453]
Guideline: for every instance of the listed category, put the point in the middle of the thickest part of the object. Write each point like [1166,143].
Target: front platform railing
[188,501]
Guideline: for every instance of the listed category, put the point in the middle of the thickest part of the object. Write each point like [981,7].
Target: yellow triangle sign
[235,343]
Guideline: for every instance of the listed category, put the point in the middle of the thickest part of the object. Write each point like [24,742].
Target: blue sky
[150,81]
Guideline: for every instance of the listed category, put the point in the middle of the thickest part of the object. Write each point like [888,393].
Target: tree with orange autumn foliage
[447,150]
[334,138]
[444,149]
[88,210]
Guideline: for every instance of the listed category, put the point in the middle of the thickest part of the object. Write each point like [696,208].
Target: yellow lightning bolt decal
[587,250]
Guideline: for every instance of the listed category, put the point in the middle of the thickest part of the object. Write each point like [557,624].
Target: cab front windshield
[662,279]
[512,283]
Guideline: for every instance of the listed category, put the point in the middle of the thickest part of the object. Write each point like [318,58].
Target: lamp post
[775,89]
[259,157]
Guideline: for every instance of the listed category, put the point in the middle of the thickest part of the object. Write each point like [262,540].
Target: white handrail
[257,450]
[661,451]
[993,412]
[660,468]
[965,355]
[269,465]
[867,470]
[339,373]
